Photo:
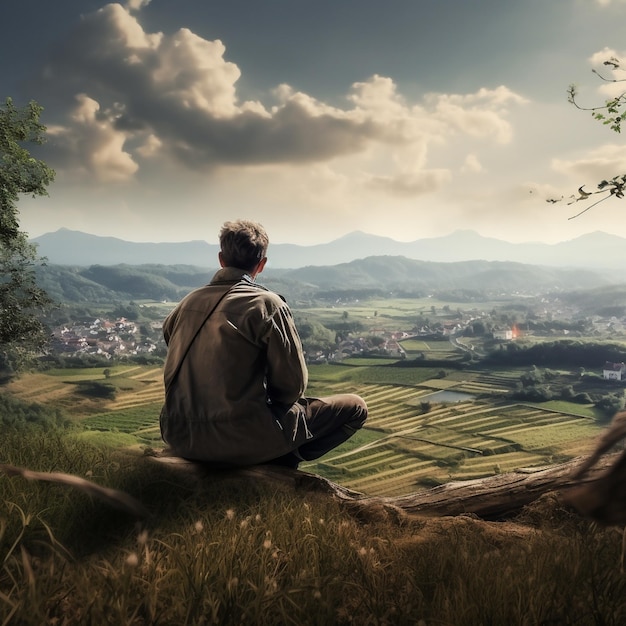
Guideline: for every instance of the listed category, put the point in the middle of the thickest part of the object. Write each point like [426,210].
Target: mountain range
[596,250]
[372,276]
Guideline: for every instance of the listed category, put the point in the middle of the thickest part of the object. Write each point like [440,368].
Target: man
[235,373]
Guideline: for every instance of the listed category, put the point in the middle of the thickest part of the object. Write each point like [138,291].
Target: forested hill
[100,283]
[382,275]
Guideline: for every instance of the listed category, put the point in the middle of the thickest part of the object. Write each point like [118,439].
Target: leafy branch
[612,113]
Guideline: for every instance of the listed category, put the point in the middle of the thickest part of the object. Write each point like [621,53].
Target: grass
[573,408]
[91,373]
[107,438]
[228,550]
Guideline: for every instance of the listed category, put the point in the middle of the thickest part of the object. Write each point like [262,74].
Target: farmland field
[409,443]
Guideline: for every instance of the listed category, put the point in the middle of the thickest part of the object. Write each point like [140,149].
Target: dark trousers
[322,424]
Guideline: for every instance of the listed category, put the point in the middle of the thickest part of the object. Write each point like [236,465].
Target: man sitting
[235,374]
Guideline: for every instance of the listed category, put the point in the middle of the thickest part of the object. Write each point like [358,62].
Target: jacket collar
[230,275]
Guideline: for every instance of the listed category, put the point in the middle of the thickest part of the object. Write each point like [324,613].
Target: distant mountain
[381,275]
[72,247]
[593,251]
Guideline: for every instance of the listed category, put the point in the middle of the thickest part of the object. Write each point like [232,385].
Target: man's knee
[358,412]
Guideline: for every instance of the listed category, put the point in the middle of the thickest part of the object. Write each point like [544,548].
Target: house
[614,371]
[505,334]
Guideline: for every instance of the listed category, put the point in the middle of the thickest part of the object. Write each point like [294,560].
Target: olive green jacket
[232,381]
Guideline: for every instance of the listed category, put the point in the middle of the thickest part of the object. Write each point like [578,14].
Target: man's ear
[221,259]
[260,266]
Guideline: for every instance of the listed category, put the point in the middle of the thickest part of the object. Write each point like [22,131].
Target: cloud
[93,146]
[480,114]
[137,5]
[611,77]
[172,98]
[471,164]
[604,162]
[411,184]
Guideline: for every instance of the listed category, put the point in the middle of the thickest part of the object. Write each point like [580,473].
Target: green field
[409,442]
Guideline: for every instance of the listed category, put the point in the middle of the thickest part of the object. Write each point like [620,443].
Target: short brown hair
[243,244]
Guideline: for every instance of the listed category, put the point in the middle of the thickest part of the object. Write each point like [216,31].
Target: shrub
[95,389]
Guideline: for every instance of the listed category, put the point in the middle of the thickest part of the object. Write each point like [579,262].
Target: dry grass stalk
[118,499]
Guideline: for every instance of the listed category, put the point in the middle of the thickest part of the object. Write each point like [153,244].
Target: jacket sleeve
[287,374]
[168,325]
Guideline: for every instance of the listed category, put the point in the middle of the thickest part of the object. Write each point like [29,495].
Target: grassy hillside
[224,549]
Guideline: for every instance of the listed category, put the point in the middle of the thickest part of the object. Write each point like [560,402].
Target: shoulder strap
[195,334]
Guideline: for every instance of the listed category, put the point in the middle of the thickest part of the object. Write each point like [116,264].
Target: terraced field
[141,421]
[450,442]
[136,388]
[409,443]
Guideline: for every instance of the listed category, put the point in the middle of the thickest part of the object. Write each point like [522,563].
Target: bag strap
[206,317]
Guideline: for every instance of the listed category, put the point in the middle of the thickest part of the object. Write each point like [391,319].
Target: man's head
[243,244]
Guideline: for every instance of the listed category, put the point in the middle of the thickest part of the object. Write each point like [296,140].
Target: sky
[407,119]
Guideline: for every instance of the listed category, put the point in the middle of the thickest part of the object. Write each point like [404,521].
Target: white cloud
[137,5]
[479,114]
[174,98]
[150,147]
[471,164]
[610,68]
[92,146]
[604,162]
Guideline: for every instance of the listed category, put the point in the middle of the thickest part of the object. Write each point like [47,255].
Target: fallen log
[493,497]
[595,486]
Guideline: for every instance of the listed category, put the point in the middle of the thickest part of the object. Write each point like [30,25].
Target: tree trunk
[494,497]
[595,486]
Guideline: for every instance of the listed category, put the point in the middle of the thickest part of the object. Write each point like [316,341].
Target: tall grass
[225,549]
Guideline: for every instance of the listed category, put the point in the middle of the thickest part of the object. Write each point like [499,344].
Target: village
[105,338]
[120,338]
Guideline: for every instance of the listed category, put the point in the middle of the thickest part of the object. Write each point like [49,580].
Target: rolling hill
[377,274]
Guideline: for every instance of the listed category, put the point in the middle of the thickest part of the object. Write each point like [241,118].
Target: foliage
[21,299]
[611,404]
[315,336]
[612,113]
[17,414]
[533,393]
[102,284]
[137,282]
[560,353]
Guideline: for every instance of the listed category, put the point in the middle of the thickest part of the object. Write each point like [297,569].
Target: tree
[611,114]
[21,300]
[315,336]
